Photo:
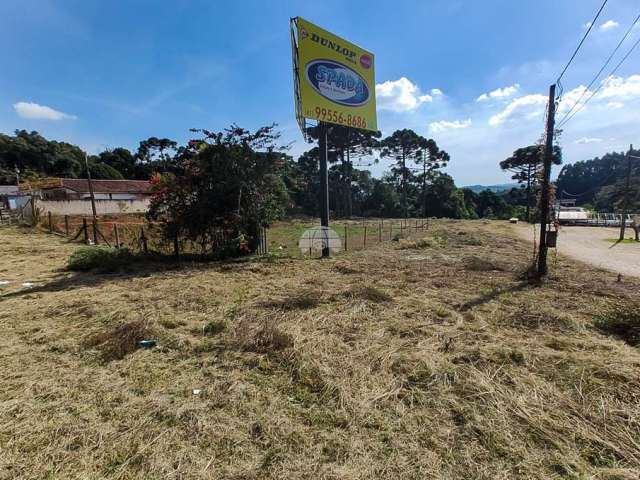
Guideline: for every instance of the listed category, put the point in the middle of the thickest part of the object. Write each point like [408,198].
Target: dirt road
[590,245]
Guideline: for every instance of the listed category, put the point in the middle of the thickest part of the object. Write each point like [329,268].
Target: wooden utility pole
[625,202]
[93,201]
[324,188]
[544,196]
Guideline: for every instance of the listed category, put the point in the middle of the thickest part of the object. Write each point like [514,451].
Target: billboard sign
[334,78]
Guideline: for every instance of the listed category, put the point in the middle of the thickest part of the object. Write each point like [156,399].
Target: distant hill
[494,188]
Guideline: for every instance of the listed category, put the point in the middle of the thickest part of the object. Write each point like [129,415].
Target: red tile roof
[81,185]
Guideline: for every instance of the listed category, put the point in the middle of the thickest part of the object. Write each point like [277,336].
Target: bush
[102,259]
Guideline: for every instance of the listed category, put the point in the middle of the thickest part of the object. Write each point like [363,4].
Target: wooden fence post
[143,239]
[379,233]
[364,242]
[391,231]
[176,245]
[346,238]
[94,225]
[50,222]
[86,231]
[116,234]
[66,225]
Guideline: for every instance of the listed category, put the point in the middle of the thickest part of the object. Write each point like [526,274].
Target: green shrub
[102,259]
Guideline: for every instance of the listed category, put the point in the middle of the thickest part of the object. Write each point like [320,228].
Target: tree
[102,171]
[402,145]
[346,144]
[222,182]
[431,158]
[526,166]
[157,153]
[124,162]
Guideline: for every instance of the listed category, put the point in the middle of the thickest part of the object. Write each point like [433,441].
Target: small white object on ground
[28,284]
[4,282]
[513,220]
[196,391]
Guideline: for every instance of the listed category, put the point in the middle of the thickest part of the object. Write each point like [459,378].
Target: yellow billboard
[335,79]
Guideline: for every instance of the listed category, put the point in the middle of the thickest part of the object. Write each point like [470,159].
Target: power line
[601,70]
[633,47]
[593,22]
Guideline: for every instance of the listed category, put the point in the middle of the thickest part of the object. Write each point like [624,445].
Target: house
[78,189]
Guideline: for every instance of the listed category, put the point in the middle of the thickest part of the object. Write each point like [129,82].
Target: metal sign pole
[324,187]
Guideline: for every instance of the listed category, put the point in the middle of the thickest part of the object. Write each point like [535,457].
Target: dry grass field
[431,357]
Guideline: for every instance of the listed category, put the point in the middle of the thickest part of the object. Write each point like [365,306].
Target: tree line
[414,186]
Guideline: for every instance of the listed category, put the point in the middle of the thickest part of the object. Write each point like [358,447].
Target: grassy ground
[431,357]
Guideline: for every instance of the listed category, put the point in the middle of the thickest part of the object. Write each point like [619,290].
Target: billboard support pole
[324,187]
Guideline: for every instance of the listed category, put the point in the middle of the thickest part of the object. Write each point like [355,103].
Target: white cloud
[618,87]
[528,106]
[499,93]
[614,105]
[40,112]
[585,140]
[443,125]
[587,25]
[608,25]
[401,95]
[436,91]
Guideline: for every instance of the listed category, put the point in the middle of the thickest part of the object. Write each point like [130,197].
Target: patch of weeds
[470,240]
[263,336]
[437,240]
[369,293]
[442,312]
[344,269]
[100,259]
[525,317]
[171,324]
[307,386]
[479,264]
[213,327]
[622,320]
[297,301]
[515,357]
[115,344]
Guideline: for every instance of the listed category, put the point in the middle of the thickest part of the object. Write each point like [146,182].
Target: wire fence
[284,238]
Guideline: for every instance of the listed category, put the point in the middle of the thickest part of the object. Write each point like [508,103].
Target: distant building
[78,189]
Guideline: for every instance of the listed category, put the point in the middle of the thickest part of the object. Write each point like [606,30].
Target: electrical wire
[633,47]
[593,22]
[615,50]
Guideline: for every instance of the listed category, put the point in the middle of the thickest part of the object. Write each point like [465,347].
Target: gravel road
[590,245]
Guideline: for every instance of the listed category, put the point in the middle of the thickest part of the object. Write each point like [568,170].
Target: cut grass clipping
[101,259]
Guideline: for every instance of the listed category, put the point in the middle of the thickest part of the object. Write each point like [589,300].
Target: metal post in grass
[85,231]
[176,245]
[380,233]
[50,222]
[364,242]
[391,231]
[66,225]
[116,234]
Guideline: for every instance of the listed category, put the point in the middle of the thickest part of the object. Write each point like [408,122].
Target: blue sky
[471,74]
